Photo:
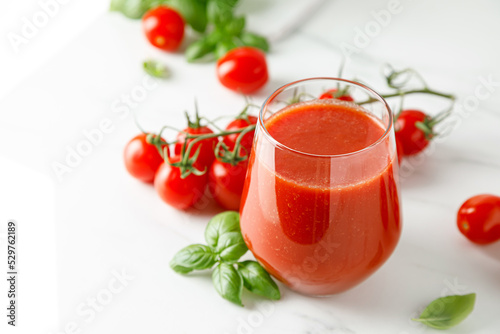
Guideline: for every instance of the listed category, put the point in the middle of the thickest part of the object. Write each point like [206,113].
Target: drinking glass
[322,223]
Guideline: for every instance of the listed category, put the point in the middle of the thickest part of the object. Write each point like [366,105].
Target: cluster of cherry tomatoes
[242,69]
[200,159]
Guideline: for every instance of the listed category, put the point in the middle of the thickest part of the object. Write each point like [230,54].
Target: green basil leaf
[156,69]
[235,26]
[231,246]
[193,11]
[228,282]
[133,9]
[193,257]
[216,35]
[251,39]
[228,221]
[257,280]
[449,311]
[199,50]
[219,12]
[223,47]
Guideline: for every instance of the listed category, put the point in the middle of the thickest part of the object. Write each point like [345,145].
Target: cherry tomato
[226,181]
[237,124]
[164,27]
[479,219]
[330,94]
[413,140]
[243,69]
[206,156]
[142,159]
[175,191]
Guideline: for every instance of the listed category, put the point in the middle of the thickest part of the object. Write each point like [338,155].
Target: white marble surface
[107,222]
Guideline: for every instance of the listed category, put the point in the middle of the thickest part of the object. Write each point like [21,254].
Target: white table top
[107,222]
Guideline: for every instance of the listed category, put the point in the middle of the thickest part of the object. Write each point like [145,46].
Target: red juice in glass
[320,208]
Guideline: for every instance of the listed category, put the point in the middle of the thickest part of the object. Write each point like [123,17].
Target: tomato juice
[320,207]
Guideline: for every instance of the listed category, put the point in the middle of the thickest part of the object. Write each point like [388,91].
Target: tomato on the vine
[163,27]
[181,193]
[479,219]
[413,138]
[226,181]
[247,139]
[206,146]
[331,94]
[243,69]
[142,159]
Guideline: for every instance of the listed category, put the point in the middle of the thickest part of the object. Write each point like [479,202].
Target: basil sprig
[227,32]
[225,246]
[221,30]
[449,311]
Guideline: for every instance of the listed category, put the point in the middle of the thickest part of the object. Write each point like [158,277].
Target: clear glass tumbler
[320,207]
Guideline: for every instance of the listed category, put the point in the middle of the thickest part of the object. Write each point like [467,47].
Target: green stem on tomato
[234,156]
[157,141]
[424,90]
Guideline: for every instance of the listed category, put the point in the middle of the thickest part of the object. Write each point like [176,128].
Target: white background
[67,79]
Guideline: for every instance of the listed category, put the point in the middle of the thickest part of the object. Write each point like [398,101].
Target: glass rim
[362,86]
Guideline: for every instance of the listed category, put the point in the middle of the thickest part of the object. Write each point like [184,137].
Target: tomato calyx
[197,118]
[187,164]
[157,141]
[427,128]
[239,153]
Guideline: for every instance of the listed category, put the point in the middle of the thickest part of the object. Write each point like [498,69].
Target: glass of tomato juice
[320,208]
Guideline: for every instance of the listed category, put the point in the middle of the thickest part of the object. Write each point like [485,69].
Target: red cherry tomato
[479,219]
[142,159]
[243,69]
[226,181]
[164,28]
[330,94]
[175,191]
[247,139]
[206,156]
[413,140]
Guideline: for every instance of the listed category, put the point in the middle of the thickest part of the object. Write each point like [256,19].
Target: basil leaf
[228,221]
[251,39]
[235,26]
[156,69]
[449,311]
[199,49]
[193,257]
[223,47]
[133,9]
[228,282]
[216,35]
[231,246]
[220,11]
[193,11]
[257,280]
